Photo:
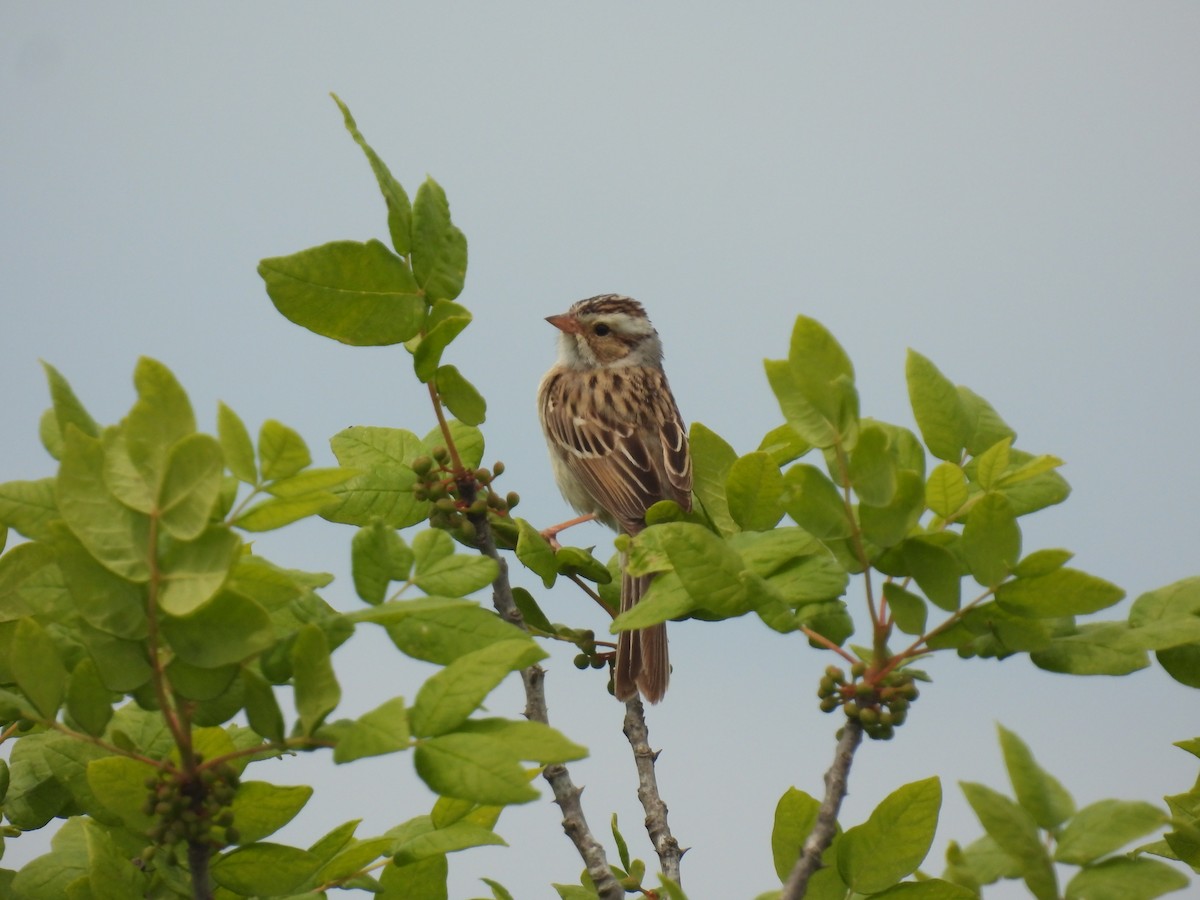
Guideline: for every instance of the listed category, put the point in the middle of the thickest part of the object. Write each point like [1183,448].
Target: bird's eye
[600,329]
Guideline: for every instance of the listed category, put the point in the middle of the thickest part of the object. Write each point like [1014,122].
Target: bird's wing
[628,463]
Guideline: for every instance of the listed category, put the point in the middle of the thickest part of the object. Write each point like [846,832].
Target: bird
[618,445]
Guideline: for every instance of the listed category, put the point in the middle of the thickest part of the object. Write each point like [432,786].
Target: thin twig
[644,758]
[826,826]
[566,794]
[199,854]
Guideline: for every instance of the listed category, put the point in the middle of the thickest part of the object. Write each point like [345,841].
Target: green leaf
[991,540]
[236,445]
[67,408]
[190,485]
[281,451]
[1063,592]
[262,708]
[260,809]
[872,468]
[113,533]
[431,547]
[460,396]
[280,511]
[111,874]
[886,526]
[369,447]
[467,438]
[29,507]
[1105,827]
[105,600]
[89,702]
[446,700]
[1038,792]
[535,553]
[418,839]
[1042,562]
[228,629]
[816,426]
[317,691]
[946,489]
[984,425]
[814,503]
[1100,649]
[118,783]
[993,463]
[712,459]
[577,561]
[382,730]
[784,445]
[936,570]
[822,371]
[378,556]
[452,628]
[424,880]
[264,869]
[531,612]
[398,206]
[707,568]
[310,481]
[795,816]
[37,667]
[51,438]
[1039,465]
[457,575]
[929,889]
[359,294]
[1125,879]
[533,741]
[1038,492]
[446,322]
[937,407]
[909,610]
[1015,831]
[472,767]
[895,838]
[439,249]
[753,488]
[161,417]
[193,571]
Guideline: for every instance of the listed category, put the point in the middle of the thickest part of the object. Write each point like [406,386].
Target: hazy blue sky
[1013,190]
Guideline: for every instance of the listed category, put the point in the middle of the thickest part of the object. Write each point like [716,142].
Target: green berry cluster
[589,655]
[190,809]
[445,488]
[880,705]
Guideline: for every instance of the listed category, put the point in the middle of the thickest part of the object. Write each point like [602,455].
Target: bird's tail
[642,661]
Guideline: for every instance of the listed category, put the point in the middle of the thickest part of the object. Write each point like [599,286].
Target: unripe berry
[512,499]
[497,469]
[581,661]
[829,704]
[441,454]
[859,669]
[421,465]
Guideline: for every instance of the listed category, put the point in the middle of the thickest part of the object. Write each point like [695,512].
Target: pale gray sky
[1010,189]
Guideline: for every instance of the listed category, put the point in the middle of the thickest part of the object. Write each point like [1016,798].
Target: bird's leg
[551,533]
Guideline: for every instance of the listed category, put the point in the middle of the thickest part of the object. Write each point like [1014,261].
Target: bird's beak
[565,322]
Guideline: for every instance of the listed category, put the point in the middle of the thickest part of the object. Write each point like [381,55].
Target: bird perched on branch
[617,445]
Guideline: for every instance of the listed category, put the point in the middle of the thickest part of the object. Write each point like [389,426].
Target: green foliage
[139,623]
[1028,836]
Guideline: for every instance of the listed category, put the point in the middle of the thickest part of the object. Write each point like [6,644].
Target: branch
[644,758]
[566,794]
[199,854]
[823,831]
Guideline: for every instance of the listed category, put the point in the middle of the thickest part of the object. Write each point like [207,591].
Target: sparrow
[617,446]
